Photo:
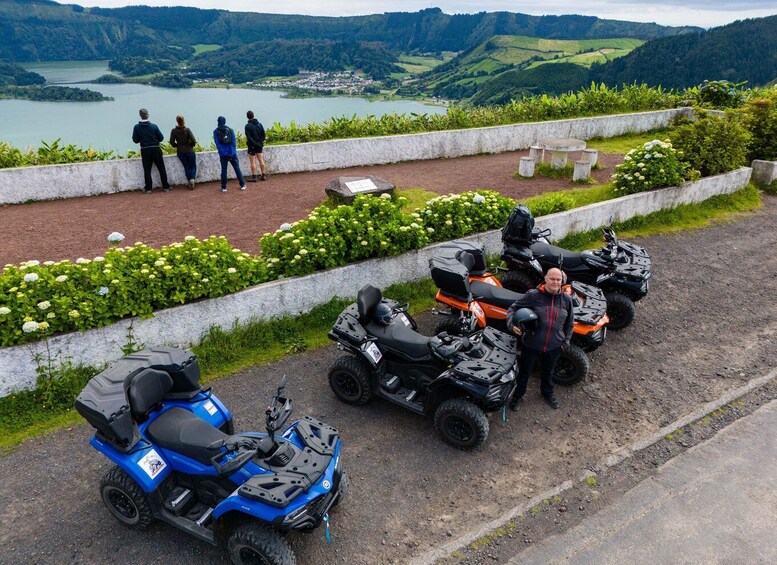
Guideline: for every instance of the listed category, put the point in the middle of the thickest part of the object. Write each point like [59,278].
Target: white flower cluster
[115,237]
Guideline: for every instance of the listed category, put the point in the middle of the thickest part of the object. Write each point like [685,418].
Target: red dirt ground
[78,227]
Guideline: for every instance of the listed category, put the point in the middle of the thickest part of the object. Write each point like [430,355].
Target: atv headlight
[297,514]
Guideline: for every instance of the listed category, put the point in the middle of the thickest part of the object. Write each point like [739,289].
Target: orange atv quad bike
[477,299]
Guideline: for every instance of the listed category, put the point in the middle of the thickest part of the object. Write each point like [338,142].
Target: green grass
[205,47]
[222,352]
[416,198]
[714,210]
[624,143]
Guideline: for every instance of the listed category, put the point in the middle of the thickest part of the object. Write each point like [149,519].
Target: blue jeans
[189,162]
[235,165]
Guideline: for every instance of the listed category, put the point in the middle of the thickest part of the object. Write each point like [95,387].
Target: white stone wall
[184,325]
[51,182]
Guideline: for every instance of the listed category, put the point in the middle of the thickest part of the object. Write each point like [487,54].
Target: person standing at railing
[226,143]
[149,137]
[255,136]
[182,138]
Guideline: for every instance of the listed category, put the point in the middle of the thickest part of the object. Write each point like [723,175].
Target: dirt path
[708,325]
[78,227]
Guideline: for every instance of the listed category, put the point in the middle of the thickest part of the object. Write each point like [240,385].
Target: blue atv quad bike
[178,459]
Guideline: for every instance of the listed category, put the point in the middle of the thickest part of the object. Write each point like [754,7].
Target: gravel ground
[707,326]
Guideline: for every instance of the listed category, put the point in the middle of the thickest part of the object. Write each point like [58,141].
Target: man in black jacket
[556,319]
[255,140]
[149,137]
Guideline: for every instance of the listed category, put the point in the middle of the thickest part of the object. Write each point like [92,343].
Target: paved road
[715,503]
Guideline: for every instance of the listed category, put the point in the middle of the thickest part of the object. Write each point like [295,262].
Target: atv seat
[549,254]
[494,295]
[146,390]
[401,339]
[366,301]
[183,432]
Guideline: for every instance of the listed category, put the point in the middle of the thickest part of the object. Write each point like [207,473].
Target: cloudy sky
[704,13]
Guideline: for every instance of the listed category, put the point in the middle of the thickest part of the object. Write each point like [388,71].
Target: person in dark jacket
[555,323]
[149,137]
[255,137]
[226,143]
[184,141]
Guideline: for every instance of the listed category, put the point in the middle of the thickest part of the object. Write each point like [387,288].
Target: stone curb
[619,456]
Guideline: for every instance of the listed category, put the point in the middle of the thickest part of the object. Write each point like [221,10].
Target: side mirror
[282,384]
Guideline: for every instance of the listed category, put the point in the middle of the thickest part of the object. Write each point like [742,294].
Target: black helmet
[525,319]
[383,314]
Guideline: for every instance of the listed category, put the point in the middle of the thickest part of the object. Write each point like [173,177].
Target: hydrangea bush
[654,165]
[456,215]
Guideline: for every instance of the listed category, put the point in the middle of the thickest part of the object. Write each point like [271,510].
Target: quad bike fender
[445,387]
[148,467]
[265,512]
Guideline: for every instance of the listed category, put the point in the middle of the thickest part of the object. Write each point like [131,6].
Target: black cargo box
[450,276]
[181,364]
[478,254]
[103,403]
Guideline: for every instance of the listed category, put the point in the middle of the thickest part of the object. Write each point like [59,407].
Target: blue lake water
[108,125]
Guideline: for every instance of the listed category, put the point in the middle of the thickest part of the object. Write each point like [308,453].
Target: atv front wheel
[125,499]
[449,324]
[254,543]
[517,281]
[620,310]
[571,366]
[349,378]
[461,423]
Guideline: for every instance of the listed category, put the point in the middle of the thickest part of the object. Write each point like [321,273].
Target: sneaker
[552,402]
[223,189]
[242,187]
[191,184]
[252,178]
[264,176]
[147,191]
[167,189]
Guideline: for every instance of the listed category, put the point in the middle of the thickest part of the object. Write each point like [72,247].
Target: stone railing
[25,184]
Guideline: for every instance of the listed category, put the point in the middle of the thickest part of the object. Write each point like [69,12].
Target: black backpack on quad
[622,270]
[455,379]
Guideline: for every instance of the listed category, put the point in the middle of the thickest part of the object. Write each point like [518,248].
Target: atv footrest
[179,500]
[406,397]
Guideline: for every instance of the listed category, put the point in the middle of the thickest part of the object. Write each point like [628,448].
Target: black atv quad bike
[456,379]
[622,270]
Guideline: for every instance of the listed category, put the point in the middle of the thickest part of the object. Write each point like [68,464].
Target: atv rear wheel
[349,378]
[461,423]
[571,367]
[254,543]
[449,324]
[517,281]
[620,310]
[125,499]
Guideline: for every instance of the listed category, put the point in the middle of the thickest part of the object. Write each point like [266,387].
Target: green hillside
[462,76]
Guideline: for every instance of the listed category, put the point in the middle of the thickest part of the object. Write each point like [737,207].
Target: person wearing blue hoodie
[149,137]
[226,143]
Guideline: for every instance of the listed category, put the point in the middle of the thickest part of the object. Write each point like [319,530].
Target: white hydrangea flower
[32,263]
[4,311]
[51,315]
[103,290]
[191,237]
[44,305]
[29,327]
[49,263]
[303,251]
[98,259]
[478,199]
[448,223]
[115,237]
[61,278]
[232,270]
[74,314]
[159,262]
[285,227]
[386,196]
[82,261]
[31,277]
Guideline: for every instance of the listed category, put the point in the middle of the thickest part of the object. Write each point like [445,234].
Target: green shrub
[760,117]
[40,299]
[457,215]
[654,165]
[721,94]
[550,204]
[712,144]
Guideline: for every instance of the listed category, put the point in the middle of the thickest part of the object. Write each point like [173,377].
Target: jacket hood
[222,121]
[253,121]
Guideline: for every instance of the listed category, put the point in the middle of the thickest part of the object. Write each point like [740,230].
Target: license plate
[372,350]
